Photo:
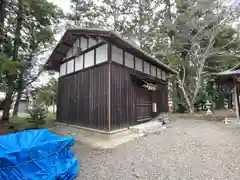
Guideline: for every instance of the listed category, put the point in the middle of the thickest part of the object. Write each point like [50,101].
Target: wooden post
[109,84]
[230,103]
[236,99]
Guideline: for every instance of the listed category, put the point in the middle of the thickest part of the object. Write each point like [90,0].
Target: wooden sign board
[149,86]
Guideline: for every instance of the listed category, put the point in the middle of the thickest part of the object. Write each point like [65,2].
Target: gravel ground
[187,149]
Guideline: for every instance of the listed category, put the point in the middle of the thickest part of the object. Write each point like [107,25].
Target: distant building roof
[233,71]
[70,35]
[229,73]
[230,76]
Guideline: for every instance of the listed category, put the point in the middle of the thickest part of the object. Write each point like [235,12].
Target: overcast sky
[64,4]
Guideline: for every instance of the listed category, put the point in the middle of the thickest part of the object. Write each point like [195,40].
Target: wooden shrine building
[107,82]
[231,79]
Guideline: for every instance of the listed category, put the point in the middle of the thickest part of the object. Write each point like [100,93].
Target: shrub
[179,107]
[38,119]
[38,115]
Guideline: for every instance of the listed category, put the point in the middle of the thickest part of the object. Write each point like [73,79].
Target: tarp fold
[37,155]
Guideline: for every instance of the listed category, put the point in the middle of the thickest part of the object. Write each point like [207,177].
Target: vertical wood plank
[83,98]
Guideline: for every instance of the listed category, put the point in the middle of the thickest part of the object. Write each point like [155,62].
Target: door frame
[136,105]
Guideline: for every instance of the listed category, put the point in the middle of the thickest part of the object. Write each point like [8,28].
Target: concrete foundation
[149,127]
[232,121]
[104,139]
[96,138]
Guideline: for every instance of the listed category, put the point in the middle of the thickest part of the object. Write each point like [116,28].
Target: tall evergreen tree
[30,23]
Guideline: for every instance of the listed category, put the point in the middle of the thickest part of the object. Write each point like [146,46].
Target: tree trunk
[236,95]
[176,92]
[3,5]
[8,103]
[2,11]
[17,101]
[19,90]
[12,78]
[191,110]
[53,108]
[53,103]
[190,106]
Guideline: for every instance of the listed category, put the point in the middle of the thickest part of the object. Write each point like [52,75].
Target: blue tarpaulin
[37,155]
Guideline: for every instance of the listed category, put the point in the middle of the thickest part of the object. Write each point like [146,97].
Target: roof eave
[170,70]
[104,33]
[48,66]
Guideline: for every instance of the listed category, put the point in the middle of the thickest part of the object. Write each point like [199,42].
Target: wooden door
[143,104]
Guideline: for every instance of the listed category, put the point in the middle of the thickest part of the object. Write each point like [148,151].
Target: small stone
[136,175]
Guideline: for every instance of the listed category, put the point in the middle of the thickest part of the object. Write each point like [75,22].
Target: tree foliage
[27,32]
[47,94]
[194,36]
[201,37]
[133,19]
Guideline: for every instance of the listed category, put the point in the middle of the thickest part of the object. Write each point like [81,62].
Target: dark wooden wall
[123,97]
[83,98]
[160,96]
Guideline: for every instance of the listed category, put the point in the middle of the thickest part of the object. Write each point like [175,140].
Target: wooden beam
[85,51]
[93,37]
[109,85]
[238,102]
[88,43]
[79,41]
[230,103]
[93,47]
[74,65]
[68,45]
[83,61]
[123,52]
[109,52]
[66,69]
[236,99]
[134,62]
[95,56]
[58,52]
[102,34]
[156,71]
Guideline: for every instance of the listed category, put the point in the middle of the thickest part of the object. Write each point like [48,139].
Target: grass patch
[19,123]
[51,116]
[18,119]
